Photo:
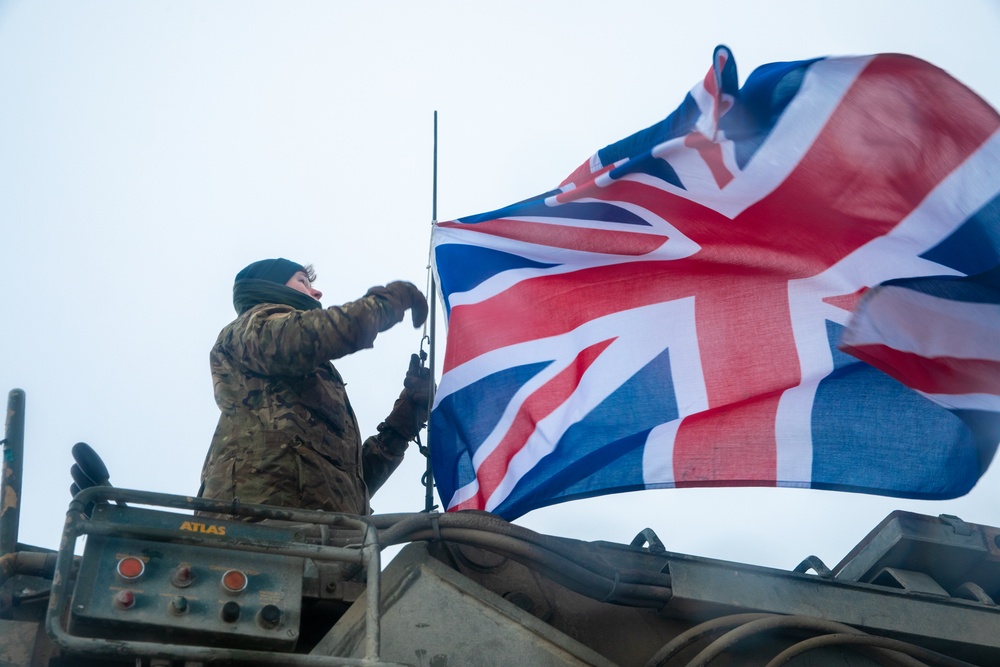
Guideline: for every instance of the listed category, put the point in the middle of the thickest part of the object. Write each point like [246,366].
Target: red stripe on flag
[846,302]
[582,174]
[555,304]
[709,81]
[740,447]
[932,375]
[605,241]
[711,154]
[535,408]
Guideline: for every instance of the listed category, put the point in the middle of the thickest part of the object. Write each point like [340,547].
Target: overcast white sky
[149,150]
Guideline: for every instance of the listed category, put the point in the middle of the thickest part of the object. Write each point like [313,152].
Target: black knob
[269,616]
[230,612]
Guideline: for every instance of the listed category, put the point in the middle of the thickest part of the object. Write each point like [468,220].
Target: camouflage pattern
[287,435]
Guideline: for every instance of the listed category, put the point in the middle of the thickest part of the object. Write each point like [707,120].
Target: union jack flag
[673,314]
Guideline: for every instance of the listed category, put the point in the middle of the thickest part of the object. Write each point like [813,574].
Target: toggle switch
[124,599]
[182,576]
[178,605]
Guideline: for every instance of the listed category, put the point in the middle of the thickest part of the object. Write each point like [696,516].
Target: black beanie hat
[273,270]
[264,282]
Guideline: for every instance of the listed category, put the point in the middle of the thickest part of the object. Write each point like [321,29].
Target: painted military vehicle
[160,582]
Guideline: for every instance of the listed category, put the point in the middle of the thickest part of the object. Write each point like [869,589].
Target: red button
[234,581]
[131,567]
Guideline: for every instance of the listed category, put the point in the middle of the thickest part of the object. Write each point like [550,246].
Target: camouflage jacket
[287,434]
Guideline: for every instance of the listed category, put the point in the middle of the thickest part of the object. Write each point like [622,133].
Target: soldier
[287,434]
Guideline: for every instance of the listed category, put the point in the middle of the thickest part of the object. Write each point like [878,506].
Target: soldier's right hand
[401,296]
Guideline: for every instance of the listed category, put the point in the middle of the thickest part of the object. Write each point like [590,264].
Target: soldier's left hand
[417,384]
[409,412]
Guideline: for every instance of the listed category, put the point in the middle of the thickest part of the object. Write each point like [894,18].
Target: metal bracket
[648,537]
[959,526]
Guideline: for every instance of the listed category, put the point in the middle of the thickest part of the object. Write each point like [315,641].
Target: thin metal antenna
[429,505]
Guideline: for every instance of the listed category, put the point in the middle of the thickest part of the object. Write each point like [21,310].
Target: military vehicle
[162,582]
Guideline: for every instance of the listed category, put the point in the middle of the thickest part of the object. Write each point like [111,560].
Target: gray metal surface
[912,609]
[17,643]
[432,616]
[962,628]
[947,549]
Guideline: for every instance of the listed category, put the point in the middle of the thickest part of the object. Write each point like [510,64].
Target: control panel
[189,584]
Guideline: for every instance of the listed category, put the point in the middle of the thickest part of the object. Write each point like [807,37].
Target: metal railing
[10,474]
[79,524]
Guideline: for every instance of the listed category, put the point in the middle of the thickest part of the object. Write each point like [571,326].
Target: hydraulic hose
[923,656]
[694,634]
[749,624]
[562,570]
[556,558]
[776,622]
[494,525]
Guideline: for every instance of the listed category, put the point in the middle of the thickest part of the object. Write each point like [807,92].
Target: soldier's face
[300,283]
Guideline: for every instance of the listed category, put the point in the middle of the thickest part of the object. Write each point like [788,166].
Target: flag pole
[428,480]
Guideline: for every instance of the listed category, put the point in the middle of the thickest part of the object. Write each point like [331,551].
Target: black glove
[409,412]
[396,298]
